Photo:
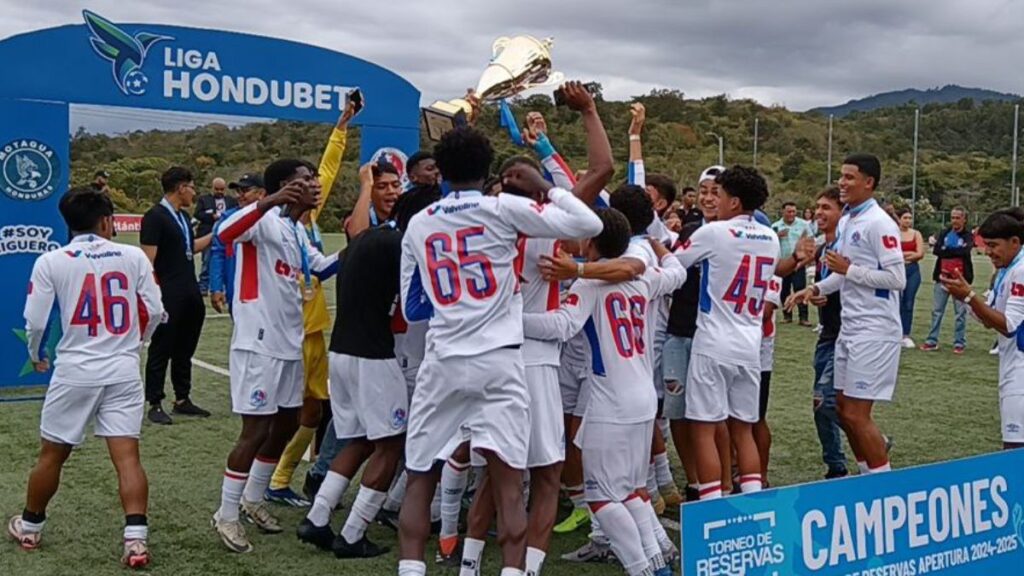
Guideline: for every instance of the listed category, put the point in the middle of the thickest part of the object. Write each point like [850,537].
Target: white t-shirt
[621,391]
[768,324]
[870,240]
[109,305]
[1008,298]
[267,307]
[538,296]
[458,263]
[738,259]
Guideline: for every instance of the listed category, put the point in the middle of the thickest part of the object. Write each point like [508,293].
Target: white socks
[863,467]
[750,483]
[883,468]
[412,568]
[231,494]
[454,476]
[137,532]
[638,510]
[619,526]
[364,510]
[259,479]
[664,542]
[710,491]
[534,561]
[472,551]
[662,471]
[511,572]
[327,498]
[397,493]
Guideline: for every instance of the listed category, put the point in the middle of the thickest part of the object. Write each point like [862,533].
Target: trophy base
[442,117]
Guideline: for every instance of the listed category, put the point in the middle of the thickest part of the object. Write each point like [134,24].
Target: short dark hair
[416,158]
[614,237]
[831,193]
[412,201]
[688,189]
[868,165]
[515,161]
[175,176]
[101,173]
[464,155]
[744,183]
[959,209]
[1013,211]
[787,204]
[83,207]
[1001,226]
[664,185]
[278,171]
[634,203]
[382,166]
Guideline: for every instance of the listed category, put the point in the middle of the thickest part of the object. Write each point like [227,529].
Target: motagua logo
[125,52]
[396,158]
[30,169]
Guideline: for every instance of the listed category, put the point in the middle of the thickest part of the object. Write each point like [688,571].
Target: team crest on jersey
[398,418]
[855,238]
[258,398]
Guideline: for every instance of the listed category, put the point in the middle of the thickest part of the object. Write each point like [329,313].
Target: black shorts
[766,385]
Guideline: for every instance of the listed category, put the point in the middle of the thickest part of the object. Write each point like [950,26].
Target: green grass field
[946,407]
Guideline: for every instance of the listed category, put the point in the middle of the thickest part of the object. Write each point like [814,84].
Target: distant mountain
[946,95]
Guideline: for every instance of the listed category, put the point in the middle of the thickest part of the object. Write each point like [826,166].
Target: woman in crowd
[913,247]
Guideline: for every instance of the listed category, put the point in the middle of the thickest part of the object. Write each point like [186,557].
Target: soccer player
[458,261]
[379,187]
[867,270]
[422,169]
[615,436]
[249,188]
[1003,234]
[738,257]
[275,257]
[368,391]
[762,432]
[109,305]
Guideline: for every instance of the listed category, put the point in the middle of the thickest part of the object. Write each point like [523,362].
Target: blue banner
[33,176]
[954,518]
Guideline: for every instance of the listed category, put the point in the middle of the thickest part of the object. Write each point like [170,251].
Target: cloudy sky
[798,53]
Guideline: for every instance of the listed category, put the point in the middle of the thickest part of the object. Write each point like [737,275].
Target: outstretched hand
[577,97]
[560,267]
[955,284]
[636,125]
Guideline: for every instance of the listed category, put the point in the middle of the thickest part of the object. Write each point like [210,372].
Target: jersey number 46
[116,315]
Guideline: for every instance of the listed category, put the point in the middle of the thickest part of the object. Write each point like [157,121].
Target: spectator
[249,189]
[169,242]
[812,224]
[100,180]
[662,191]
[688,210]
[209,210]
[912,244]
[953,251]
[791,229]
[422,169]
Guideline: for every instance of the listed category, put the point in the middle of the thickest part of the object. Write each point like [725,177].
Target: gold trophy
[517,64]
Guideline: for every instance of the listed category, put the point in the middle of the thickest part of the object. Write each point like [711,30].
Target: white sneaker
[136,554]
[994,351]
[232,534]
[908,342]
[258,513]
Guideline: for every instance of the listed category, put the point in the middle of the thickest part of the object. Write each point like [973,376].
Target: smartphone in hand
[354,97]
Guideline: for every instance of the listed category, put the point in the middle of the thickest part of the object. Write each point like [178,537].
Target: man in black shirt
[369,396]
[209,209]
[100,179]
[168,241]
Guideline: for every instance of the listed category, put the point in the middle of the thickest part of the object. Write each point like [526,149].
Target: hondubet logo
[30,169]
[125,52]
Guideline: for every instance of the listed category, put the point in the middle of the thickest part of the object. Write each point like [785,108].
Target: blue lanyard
[374,220]
[304,253]
[1001,274]
[824,266]
[854,212]
[180,219]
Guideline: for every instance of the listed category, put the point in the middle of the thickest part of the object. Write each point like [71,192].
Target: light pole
[757,121]
[828,173]
[913,177]
[1014,199]
[721,148]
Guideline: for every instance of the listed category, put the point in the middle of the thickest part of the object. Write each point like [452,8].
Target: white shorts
[261,384]
[584,398]
[369,397]
[482,399]
[570,380]
[547,421]
[867,370]
[716,390]
[1011,411]
[615,458]
[117,410]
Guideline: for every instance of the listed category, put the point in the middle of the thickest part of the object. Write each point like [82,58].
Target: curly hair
[280,170]
[635,204]
[413,201]
[464,155]
[614,237]
[744,183]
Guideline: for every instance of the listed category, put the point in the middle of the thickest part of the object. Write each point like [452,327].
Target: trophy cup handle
[499,45]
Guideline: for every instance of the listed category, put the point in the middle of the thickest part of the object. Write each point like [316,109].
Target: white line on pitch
[215,316]
[211,367]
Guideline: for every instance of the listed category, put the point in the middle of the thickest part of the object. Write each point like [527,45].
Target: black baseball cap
[103,173]
[247,180]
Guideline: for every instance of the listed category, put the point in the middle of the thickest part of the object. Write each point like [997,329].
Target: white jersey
[870,240]
[773,296]
[109,305]
[538,296]
[458,263]
[1008,297]
[621,391]
[738,259]
[267,307]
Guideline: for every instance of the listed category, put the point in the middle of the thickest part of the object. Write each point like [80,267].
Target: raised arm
[636,174]
[600,167]
[239,226]
[565,217]
[360,219]
[330,161]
